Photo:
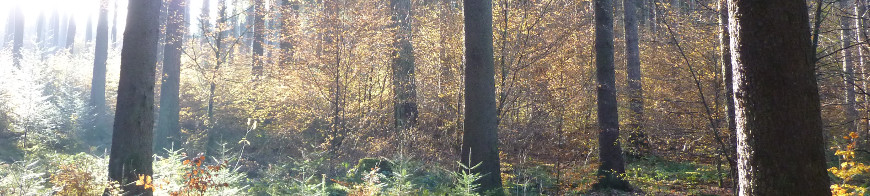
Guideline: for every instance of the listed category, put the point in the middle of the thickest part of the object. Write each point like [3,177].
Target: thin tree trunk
[728,86]
[480,139]
[259,32]
[610,150]
[404,83]
[848,66]
[131,153]
[18,38]
[861,36]
[167,118]
[71,34]
[779,124]
[40,31]
[288,26]
[54,33]
[115,23]
[89,29]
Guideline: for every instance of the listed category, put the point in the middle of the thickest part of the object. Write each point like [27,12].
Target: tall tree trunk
[71,34]
[211,134]
[403,66]
[259,32]
[779,124]
[167,117]
[636,137]
[98,81]
[18,38]
[848,66]
[480,139]
[134,118]
[728,82]
[860,34]
[610,152]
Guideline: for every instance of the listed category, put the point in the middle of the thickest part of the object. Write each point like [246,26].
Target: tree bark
[480,139]
[610,155]
[404,84]
[779,125]
[134,119]
[636,137]
[167,117]
[850,107]
[98,81]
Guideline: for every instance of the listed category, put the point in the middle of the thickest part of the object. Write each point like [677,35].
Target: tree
[89,29]
[115,24]
[259,28]
[636,138]
[18,38]
[288,23]
[132,136]
[781,147]
[167,116]
[54,33]
[480,139]
[728,84]
[610,152]
[848,66]
[404,84]
[71,34]
[98,81]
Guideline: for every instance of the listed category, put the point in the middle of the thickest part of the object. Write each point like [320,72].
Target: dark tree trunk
[636,137]
[259,28]
[480,139]
[18,38]
[728,85]
[610,152]
[167,116]
[780,143]
[134,118]
[404,84]
[850,107]
[71,34]
[98,82]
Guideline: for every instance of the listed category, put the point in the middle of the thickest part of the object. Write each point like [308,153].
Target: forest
[434,97]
